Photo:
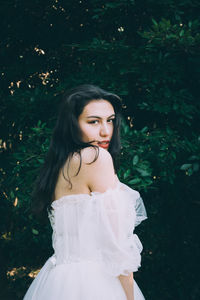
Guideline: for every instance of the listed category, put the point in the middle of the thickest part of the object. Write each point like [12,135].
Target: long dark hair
[66,140]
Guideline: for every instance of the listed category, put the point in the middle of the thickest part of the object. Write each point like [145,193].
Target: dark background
[148,52]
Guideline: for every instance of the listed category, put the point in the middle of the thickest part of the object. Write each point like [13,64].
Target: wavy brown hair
[66,140]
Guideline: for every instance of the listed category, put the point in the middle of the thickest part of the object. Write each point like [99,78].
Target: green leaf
[193,157]
[40,160]
[134,181]
[189,172]
[185,167]
[12,194]
[173,154]
[143,172]
[154,22]
[34,231]
[144,129]
[127,173]
[135,160]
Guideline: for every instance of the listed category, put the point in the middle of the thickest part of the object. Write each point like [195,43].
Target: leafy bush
[148,53]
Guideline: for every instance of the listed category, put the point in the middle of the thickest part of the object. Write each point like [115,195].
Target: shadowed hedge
[148,53]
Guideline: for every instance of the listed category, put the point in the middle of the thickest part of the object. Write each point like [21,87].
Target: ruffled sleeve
[121,209]
[139,207]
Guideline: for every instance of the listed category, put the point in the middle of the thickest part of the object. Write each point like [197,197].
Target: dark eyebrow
[113,115]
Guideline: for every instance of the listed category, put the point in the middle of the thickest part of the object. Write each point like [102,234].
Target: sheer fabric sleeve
[120,210]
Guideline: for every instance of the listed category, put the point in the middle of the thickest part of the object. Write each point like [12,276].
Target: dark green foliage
[148,53]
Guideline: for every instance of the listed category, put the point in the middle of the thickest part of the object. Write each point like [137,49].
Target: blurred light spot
[33,274]
[6,236]
[18,83]
[39,51]
[43,76]
[20,272]
[20,135]
[4,145]
[120,29]
[15,202]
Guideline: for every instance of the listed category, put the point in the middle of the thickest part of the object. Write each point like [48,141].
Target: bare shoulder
[96,156]
[89,154]
[88,158]
[97,165]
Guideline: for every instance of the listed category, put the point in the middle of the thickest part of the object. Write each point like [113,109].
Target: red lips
[104,144]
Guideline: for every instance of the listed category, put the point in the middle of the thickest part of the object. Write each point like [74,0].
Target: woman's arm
[100,176]
[127,284]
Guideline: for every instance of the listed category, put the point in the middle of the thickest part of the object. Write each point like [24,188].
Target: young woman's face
[96,123]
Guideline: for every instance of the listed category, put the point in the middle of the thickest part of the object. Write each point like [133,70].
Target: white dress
[93,244]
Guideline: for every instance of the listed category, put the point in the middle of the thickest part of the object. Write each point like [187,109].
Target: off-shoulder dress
[94,242]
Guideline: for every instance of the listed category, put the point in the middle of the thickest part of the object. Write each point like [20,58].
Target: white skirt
[84,280]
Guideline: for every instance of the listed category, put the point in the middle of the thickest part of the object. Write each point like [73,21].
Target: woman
[92,214]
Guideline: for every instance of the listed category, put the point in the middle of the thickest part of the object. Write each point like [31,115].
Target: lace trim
[74,198]
[135,203]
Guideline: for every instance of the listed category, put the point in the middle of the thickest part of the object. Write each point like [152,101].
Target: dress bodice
[99,227]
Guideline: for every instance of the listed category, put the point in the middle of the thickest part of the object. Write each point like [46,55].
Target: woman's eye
[111,120]
[93,122]
[97,121]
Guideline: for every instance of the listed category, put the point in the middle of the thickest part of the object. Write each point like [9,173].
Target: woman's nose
[104,131]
